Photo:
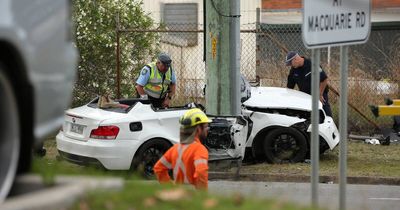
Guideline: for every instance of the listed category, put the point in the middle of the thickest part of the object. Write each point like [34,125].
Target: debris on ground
[372,141]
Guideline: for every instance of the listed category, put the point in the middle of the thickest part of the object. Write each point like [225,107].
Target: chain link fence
[373,67]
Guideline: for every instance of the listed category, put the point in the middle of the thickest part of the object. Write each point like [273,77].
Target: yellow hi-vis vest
[157,87]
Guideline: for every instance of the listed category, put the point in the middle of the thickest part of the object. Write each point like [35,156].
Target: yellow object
[385,110]
[193,117]
[396,102]
[213,46]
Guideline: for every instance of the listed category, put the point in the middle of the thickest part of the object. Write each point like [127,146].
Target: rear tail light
[105,132]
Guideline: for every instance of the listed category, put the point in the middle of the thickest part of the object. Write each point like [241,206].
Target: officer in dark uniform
[300,75]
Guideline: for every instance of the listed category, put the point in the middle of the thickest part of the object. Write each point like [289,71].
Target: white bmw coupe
[274,126]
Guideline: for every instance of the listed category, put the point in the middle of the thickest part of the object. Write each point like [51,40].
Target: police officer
[157,82]
[188,159]
[300,75]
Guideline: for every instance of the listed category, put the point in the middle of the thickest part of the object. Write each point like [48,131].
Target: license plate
[76,128]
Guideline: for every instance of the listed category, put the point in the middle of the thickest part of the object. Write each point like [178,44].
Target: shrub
[95,23]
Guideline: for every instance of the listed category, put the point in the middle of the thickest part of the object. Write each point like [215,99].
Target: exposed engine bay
[226,136]
[219,135]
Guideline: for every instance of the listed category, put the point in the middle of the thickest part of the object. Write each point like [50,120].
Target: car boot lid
[80,121]
[93,113]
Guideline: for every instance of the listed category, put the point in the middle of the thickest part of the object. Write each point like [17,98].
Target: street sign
[335,22]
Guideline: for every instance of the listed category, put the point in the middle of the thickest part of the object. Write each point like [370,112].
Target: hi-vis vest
[189,163]
[157,86]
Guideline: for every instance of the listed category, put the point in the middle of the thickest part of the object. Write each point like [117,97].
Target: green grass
[362,160]
[137,195]
[148,196]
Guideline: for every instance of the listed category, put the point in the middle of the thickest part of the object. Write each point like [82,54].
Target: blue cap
[289,57]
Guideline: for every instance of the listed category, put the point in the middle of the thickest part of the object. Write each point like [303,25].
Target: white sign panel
[335,22]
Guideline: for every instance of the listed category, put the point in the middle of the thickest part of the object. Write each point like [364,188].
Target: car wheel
[9,136]
[285,145]
[147,156]
[323,145]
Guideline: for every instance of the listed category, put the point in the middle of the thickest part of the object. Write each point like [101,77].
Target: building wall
[281,4]
[188,61]
[296,4]
[247,8]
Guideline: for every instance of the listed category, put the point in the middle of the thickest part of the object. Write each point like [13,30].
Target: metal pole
[343,127]
[118,60]
[329,56]
[314,128]
[204,33]
[234,44]
[258,18]
[257,32]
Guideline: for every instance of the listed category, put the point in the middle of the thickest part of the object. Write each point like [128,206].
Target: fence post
[258,30]
[118,58]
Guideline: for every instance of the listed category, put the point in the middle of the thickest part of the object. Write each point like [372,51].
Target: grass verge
[362,160]
[148,196]
[138,194]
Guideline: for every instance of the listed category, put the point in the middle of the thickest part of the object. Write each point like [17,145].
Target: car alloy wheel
[150,158]
[148,155]
[285,145]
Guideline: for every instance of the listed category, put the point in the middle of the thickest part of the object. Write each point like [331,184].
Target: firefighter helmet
[193,117]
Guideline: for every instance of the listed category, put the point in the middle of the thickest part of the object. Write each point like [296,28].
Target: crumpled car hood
[281,98]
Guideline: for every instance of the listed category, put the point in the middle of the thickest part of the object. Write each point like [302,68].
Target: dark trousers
[326,106]
[156,102]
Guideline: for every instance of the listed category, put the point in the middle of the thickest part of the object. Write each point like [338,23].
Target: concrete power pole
[222,30]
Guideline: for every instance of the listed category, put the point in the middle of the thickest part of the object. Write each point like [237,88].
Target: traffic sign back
[335,22]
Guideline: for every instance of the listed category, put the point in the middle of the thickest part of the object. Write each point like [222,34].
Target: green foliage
[96,24]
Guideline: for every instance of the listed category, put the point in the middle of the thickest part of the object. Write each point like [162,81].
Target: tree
[95,23]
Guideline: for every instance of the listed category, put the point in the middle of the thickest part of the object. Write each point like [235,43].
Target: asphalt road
[359,197]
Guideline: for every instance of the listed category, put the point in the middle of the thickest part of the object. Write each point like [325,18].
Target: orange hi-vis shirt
[189,163]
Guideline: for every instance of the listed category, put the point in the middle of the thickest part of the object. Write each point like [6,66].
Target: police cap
[165,59]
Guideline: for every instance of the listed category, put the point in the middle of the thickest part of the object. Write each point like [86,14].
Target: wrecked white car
[279,125]
[136,136]
[274,126]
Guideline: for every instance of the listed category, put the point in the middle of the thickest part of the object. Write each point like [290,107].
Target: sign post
[329,23]
[314,125]
[344,58]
